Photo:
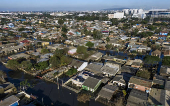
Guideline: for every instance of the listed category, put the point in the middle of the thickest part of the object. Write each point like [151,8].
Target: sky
[41,5]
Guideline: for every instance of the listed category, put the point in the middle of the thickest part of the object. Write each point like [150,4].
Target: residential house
[109,71]
[95,57]
[115,43]
[94,67]
[25,42]
[136,63]
[140,84]
[110,68]
[81,77]
[108,91]
[166,52]
[156,53]
[10,101]
[113,64]
[128,72]
[80,65]
[163,35]
[54,47]
[106,57]
[165,71]
[45,43]
[157,97]
[7,87]
[72,50]
[143,48]
[120,59]
[119,81]
[21,55]
[91,84]
[12,49]
[158,81]
[167,85]
[137,98]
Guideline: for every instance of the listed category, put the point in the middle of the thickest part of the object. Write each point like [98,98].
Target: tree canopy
[44,51]
[166,61]
[59,58]
[151,59]
[107,39]
[90,44]
[81,49]
[13,64]
[60,21]
[71,72]
[43,65]
[27,65]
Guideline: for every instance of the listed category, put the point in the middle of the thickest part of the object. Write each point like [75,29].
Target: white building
[140,11]
[118,15]
[135,11]
[126,11]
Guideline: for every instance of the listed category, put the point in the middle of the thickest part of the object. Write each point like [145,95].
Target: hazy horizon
[72,5]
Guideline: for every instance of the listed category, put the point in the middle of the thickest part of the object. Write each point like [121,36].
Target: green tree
[89,44]
[151,59]
[107,39]
[60,21]
[108,46]
[151,27]
[43,65]
[81,49]
[13,64]
[97,34]
[166,61]
[65,60]
[25,84]
[144,74]
[71,72]
[44,51]
[21,29]
[64,29]
[157,31]
[27,65]
[55,61]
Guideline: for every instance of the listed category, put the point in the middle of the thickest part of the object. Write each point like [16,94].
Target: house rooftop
[129,70]
[140,81]
[157,97]
[167,85]
[76,63]
[109,70]
[9,101]
[107,91]
[91,82]
[95,68]
[136,98]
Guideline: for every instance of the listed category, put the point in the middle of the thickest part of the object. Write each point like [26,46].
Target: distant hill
[116,8]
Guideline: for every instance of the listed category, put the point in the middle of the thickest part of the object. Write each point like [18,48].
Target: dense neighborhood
[116,59]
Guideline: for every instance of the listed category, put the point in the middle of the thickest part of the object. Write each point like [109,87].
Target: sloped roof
[156,51]
[107,91]
[76,63]
[95,68]
[91,82]
[9,101]
[137,98]
[140,81]
[157,97]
